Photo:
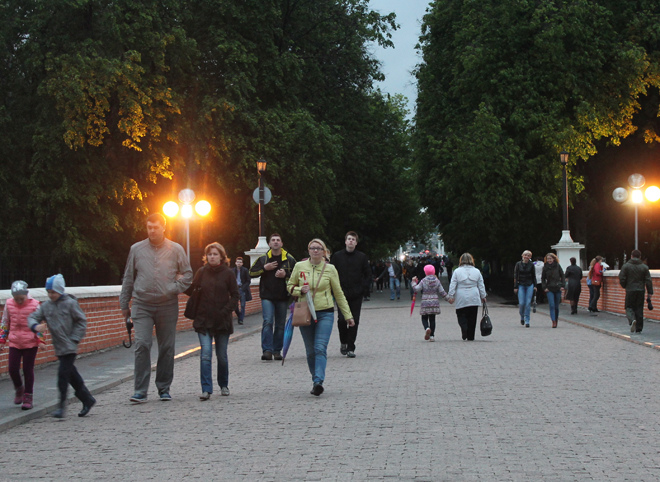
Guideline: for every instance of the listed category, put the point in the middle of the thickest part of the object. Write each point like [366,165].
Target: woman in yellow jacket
[317,335]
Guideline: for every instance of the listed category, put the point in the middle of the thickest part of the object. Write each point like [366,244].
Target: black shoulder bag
[486,326]
[193,301]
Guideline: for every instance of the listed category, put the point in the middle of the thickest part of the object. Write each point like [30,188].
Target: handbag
[301,314]
[193,301]
[596,282]
[486,326]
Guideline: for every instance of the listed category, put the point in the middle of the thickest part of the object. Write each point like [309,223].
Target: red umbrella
[412,307]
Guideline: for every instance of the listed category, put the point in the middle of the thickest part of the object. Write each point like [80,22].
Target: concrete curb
[27,415]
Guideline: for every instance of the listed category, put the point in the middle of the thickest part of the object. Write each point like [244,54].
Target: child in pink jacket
[23,343]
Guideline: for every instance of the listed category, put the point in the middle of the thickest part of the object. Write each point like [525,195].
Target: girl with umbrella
[323,281]
[431,289]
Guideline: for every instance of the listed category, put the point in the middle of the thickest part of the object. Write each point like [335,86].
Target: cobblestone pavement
[537,404]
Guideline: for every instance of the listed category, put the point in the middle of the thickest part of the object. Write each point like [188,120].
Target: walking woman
[552,280]
[595,281]
[218,299]
[524,276]
[574,277]
[468,291]
[431,289]
[323,280]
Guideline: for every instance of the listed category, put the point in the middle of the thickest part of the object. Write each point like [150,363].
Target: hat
[429,270]
[56,283]
[19,288]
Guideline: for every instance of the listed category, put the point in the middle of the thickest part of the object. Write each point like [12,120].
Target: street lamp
[187,197]
[261,167]
[636,183]
[563,158]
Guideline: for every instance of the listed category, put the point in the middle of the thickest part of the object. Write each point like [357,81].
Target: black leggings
[429,322]
[467,320]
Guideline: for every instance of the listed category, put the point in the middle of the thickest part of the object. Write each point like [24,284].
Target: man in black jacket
[355,279]
[242,276]
[634,277]
[275,268]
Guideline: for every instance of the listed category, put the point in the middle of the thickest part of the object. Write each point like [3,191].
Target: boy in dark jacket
[67,324]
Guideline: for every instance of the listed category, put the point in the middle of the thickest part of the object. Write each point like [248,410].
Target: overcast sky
[399,62]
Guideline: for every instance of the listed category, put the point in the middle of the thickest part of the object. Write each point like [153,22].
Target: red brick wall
[106,328]
[612,296]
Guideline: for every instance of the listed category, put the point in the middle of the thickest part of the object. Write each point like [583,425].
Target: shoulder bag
[486,326]
[193,300]
[301,314]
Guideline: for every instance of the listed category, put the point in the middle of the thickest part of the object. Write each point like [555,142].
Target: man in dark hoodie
[634,277]
[355,279]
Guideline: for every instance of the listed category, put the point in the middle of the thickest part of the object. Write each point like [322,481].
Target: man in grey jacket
[157,270]
[634,277]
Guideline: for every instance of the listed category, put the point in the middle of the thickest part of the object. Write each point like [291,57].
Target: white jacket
[467,287]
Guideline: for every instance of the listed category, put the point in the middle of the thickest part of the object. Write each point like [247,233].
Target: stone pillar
[566,249]
[260,249]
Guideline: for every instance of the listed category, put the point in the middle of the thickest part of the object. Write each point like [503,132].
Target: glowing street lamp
[636,183]
[187,197]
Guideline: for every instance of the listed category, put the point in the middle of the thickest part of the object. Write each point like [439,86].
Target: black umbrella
[129,329]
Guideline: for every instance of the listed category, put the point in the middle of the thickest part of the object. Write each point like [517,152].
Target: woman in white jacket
[468,291]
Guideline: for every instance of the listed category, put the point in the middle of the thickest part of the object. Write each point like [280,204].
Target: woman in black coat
[574,277]
[213,319]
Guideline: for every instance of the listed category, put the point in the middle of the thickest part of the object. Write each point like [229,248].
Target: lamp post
[563,157]
[187,197]
[566,248]
[261,167]
[636,183]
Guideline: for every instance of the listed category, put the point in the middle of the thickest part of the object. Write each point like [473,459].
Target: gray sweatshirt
[66,321]
[150,275]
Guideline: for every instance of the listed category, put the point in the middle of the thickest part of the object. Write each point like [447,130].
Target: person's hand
[350,322]
[304,289]
[178,276]
[483,300]
[280,273]
[126,313]
[2,347]
[41,327]
[270,266]
[414,280]
[515,290]
[450,300]
[546,290]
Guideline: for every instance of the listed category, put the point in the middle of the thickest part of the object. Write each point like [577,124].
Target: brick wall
[612,296]
[105,325]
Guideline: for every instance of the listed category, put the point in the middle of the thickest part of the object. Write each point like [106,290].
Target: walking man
[634,277]
[355,279]
[275,268]
[157,270]
[393,271]
[243,280]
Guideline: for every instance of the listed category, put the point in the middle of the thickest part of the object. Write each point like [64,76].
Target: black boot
[59,413]
[87,400]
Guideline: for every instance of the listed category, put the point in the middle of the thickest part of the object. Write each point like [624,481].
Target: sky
[398,62]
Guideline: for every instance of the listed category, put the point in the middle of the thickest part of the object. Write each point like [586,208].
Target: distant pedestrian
[449,265]
[355,278]
[431,289]
[23,343]
[467,290]
[538,269]
[574,278]
[274,269]
[323,280]
[634,277]
[553,281]
[524,277]
[243,280]
[392,273]
[595,282]
[67,325]
[157,270]
[218,298]
[486,273]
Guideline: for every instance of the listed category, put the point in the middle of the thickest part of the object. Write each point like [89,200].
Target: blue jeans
[272,331]
[240,312]
[395,283]
[205,366]
[525,294]
[554,300]
[316,337]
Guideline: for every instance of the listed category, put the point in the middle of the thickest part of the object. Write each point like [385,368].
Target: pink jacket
[14,326]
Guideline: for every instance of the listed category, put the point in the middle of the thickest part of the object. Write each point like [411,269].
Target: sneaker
[427,335]
[204,396]
[138,398]
[526,325]
[350,354]
[20,391]
[432,338]
[59,413]
[277,355]
[317,389]
[27,401]
[224,391]
[267,355]
[343,349]
[165,397]
[240,322]
[633,327]
[522,322]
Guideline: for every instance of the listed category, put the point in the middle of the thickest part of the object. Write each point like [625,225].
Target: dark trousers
[540,294]
[594,295]
[348,334]
[635,308]
[429,322]
[467,320]
[14,366]
[449,269]
[67,374]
